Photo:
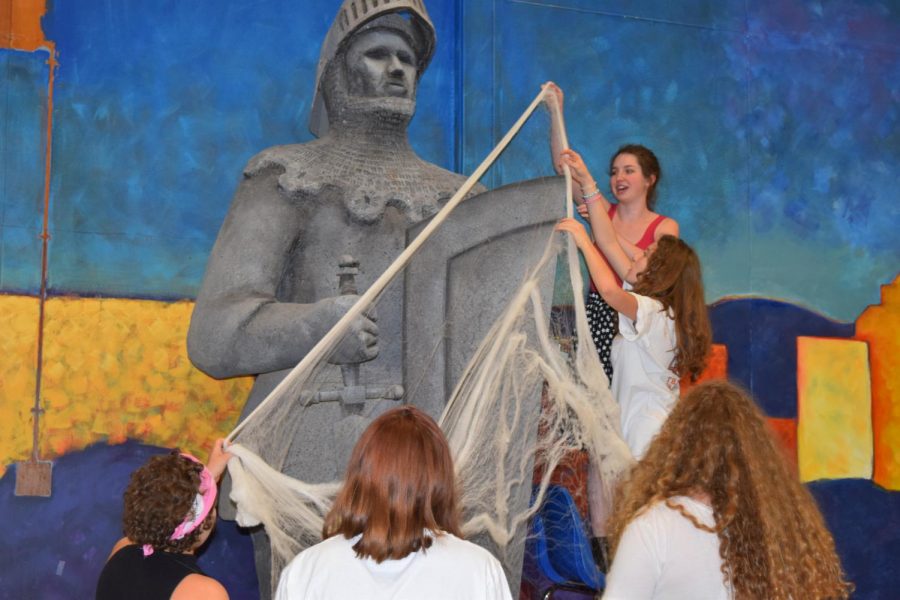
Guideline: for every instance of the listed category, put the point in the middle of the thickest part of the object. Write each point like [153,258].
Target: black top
[129,574]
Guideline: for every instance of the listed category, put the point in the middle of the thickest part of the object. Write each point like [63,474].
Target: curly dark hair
[773,541]
[159,496]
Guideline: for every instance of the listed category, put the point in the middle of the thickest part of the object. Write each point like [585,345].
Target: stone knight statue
[271,286]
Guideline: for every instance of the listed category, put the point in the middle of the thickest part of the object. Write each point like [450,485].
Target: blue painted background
[158,107]
[777,125]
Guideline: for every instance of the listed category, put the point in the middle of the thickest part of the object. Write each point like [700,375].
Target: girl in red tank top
[634,175]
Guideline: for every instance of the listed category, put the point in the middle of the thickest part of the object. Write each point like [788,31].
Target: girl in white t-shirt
[393,531]
[664,335]
[664,331]
[713,512]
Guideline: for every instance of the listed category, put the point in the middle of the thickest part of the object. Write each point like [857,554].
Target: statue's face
[380,63]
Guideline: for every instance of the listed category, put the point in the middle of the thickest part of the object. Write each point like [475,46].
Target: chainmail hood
[407,17]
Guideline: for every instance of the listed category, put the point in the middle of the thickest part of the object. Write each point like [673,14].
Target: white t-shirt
[451,569]
[662,555]
[643,383]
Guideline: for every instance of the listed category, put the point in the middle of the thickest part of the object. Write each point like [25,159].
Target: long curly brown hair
[772,538]
[674,277]
[159,496]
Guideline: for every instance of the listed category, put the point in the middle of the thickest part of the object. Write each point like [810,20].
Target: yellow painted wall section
[834,409]
[113,370]
[18,356]
[879,326]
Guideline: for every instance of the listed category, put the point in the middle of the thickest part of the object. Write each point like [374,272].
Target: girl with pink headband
[170,512]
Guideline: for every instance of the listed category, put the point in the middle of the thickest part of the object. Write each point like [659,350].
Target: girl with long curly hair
[170,512]
[713,511]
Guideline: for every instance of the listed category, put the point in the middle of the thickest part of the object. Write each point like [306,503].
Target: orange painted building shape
[879,327]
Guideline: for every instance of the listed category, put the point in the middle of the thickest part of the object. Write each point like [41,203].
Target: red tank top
[643,243]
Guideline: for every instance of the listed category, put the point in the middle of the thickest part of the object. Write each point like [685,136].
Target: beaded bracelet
[592,198]
[590,193]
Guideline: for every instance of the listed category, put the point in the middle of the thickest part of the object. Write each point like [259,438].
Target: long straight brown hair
[400,485]
[674,277]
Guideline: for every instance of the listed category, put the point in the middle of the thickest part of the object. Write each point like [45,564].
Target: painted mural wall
[125,127]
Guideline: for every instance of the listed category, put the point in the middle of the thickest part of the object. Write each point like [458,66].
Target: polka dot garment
[603,321]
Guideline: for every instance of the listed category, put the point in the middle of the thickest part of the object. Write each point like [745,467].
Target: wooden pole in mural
[33,477]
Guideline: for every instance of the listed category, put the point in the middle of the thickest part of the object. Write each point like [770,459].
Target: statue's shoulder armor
[288,157]
[298,167]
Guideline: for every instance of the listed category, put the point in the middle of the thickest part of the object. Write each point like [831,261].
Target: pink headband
[203,503]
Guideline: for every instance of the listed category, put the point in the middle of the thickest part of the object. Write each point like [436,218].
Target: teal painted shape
[23,134]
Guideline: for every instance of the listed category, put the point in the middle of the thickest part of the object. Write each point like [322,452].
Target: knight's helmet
[408,17]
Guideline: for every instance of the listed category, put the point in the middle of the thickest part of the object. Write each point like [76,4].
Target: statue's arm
[239,326]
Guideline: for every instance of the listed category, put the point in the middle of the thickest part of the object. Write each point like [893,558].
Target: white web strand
[281,500]
[329,341]
[515,366]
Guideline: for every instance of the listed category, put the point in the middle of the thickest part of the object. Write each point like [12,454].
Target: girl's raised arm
[582,182]
[582,179]
[607,239]
[601,274]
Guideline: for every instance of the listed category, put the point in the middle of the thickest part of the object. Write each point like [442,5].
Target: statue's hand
[360,344]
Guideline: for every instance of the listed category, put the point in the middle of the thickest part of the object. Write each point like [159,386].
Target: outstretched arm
[582,182]
[218,459]
[587,185]
[607,238]
[601,274]
[555,102]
